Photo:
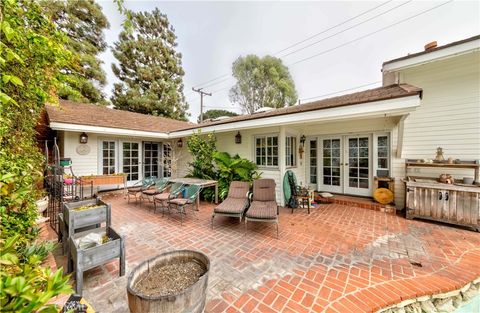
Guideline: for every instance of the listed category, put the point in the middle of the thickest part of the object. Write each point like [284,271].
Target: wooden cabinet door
[468,207]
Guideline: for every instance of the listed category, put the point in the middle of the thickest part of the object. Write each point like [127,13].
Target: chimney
[430,45]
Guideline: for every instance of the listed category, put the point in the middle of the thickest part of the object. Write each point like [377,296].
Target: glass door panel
[331,173]
[131,161]
[151,152]
[358,166]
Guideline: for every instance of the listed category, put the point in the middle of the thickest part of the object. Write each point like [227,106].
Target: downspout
[281,162]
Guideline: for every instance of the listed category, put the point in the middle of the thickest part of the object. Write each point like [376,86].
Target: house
[428,99]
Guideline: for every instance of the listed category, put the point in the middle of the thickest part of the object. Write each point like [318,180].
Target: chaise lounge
[236,202]
[264,207]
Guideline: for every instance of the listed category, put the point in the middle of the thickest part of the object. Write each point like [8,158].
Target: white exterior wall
[449,115]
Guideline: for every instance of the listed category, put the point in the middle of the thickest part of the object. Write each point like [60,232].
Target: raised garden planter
[98,180]
[182,289]
[82,215]
[81,260]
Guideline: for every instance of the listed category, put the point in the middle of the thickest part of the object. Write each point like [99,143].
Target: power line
[202,93]
[346,29]
[339,91]
[369,34]
[306,39]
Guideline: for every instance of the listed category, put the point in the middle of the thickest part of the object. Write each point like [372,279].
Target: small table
[204,183]
[304,198]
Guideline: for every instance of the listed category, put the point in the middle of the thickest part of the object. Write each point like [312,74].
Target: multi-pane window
[266,150]
[313,161]
[151,155]
[383,147]
[167,160]
[290,151]
[108,157]
[358,162]
[331,162]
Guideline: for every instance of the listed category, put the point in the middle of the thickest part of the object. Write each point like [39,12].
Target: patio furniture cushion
[326,195]
[264,190]
[179,201]
[262,210]
[162,197]
[151,192]
[238,189]
[232,206]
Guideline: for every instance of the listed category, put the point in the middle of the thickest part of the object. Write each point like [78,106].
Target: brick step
[359,202]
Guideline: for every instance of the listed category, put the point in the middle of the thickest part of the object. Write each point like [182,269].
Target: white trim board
[107,130]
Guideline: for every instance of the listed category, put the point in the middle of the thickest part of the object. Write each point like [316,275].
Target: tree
[262,82]
[149,68]
[211,114]
[84,22]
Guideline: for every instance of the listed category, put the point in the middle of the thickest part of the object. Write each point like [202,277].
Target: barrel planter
[192,299]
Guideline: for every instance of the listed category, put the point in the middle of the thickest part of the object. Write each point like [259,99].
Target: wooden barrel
[191,299]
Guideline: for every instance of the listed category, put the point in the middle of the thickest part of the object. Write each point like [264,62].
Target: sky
[330,47]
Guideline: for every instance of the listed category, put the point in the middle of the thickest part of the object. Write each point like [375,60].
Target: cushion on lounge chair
[232,206]
[238,189]
[135,189]
[151,191]
[179,201]
[262,210]
[264,190]
[162,197]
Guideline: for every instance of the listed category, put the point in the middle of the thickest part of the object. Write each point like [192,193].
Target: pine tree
[84,22]
[149,68]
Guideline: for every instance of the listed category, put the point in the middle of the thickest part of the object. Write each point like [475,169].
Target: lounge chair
[190,197]
[263,207]
[236,202]
[163,198]
[160,185]
[142,185]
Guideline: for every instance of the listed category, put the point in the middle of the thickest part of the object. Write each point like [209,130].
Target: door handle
[440,195]
[446,196]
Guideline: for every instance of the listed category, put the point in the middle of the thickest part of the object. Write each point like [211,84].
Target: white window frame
[375,151]
[309,165]
[100,155]
[265,137]
[290,151]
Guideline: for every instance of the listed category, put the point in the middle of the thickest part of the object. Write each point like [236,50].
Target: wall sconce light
[238,138]
[303,139]
[180,143]
[83,138]
[302,145]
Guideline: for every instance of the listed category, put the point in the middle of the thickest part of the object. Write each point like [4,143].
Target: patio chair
[263,207]
[163,198]
[160,185]
[190,197]
[236,202]
[140,186]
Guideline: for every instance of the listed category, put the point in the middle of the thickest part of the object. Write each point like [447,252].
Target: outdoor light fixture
[238,138]
[302,140]
[180,143]
[83,138]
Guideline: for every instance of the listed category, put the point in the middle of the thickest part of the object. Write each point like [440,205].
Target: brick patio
[337,259]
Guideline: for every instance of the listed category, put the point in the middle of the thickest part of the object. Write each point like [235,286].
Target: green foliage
[25,286]
[32,55]
[84,22]
[233,169]
[150,69]
[262,82]
[212,114]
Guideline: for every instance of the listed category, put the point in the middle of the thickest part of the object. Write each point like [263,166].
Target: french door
[345,164]
[151,159]
[130,156]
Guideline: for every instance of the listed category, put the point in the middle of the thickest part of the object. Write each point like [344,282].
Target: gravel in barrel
[169,279]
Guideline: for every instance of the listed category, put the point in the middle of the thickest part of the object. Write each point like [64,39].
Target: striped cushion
[151,192]
[179,201]
[232,206]
[262,210]
[162,197]
[264,190]
[238,189]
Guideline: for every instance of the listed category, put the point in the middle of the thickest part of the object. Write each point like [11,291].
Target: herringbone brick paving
[337,259]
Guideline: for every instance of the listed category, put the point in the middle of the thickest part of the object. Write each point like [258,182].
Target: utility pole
[202,93]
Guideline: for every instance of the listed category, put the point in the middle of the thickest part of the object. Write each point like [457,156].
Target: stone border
[441,302]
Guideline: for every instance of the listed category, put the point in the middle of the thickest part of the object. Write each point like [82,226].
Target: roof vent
[264,109]
[430,45]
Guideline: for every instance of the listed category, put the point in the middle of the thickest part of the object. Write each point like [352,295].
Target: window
[108,157]
[167,160]
[383,155]
[313,161]
[290,151]
[266,150]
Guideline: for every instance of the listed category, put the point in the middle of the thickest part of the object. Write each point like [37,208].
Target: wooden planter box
[72,221]
[82,260]
[99,180]
[447,203]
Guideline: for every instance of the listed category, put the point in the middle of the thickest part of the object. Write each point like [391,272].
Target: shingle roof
[455,43]
[371,95]
[94,115]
